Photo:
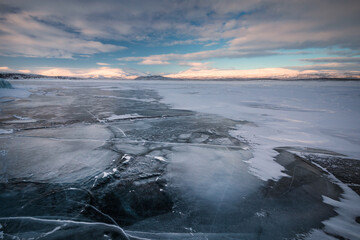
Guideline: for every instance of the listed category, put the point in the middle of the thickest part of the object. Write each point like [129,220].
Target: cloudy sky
[180,38]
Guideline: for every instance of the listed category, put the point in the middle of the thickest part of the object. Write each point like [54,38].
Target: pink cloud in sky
[24,71]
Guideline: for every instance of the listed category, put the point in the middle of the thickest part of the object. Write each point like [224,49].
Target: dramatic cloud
[165,32]
[333,60]
[23,34]
[149,61]
[7,69]
[219,53]
[198,65]
[329,66]
[24,71]
[334,63]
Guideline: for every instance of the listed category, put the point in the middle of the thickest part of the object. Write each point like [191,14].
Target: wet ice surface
[87,159]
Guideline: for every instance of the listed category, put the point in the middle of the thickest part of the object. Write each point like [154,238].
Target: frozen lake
[108,159]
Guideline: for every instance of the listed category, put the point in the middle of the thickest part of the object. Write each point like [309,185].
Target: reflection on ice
[213,176]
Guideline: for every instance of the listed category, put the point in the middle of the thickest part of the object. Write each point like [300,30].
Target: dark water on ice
[88,161]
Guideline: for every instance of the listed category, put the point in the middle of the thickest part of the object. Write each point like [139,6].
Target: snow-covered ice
[319,114]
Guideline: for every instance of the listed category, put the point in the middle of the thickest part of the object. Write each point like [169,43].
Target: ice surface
[322,115]
[13,93]
[217,198]
[63,229]
[69,154]
[185,160]
[124,98]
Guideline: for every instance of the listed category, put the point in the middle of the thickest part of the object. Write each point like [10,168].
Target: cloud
[153,62]
[23,34]
[196,65]
[197,20]
[293,35]
[210,44]
[242,29]
[24,71]
[7,69]
[337,66]
[102,72]
[180,42]
[333,60]
[202,55]
[267,27]
[300,25]
[102,64]
[335,63]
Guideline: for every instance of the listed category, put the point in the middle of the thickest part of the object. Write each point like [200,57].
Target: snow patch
[123,117]
[315,234]
[18,92]
[159,158]
[348,209]
[185,135]
[127,158]
[261,213]
[3,153]
[21,120]
[262,163]
[127,98]
[282,107]
[6,131]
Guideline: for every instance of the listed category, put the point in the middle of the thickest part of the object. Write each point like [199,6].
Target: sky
[180,38]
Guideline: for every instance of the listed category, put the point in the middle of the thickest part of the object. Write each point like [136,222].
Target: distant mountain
[153,77]
[326,77]
[317,76]
[19,76]
[5,75]
[310,76]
